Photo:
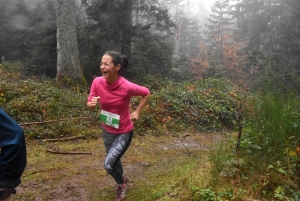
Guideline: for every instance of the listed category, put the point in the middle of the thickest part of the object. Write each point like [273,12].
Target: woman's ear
[118,67]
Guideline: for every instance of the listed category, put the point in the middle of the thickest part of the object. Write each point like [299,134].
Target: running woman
[113,92]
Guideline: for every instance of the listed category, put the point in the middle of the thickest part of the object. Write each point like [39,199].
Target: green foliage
[205,195]
[221,159]
[273,72]
[273,121]
[155,60]
[182,106]
[32,100]
[272,138]
[210,195]
[172,106]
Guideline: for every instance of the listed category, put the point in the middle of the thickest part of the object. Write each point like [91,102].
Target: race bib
[110,119]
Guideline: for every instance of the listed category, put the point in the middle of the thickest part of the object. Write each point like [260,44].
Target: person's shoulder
[98,79]
[123,80]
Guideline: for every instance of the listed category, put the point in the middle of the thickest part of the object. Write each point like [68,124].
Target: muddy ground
[81,177]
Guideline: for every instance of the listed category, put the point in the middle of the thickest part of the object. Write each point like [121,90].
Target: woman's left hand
[134,116]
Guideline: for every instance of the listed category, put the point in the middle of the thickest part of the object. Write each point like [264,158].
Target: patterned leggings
[116,146]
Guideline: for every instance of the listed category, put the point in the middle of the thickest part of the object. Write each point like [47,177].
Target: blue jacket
[13,152]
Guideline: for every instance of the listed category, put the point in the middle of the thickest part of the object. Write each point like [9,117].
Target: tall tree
[272,27]
[223,48]
[3,27]
[42,59]
[126,28]
[68,65]
[15,20]
[187,30]
[200,63]
[190,32]
[218,28]
[113,27]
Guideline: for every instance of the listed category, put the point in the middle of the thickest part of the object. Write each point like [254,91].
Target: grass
[158,169]
[272,138]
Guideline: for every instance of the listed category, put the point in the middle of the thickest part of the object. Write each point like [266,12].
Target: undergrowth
[267,165]
[177,107]
[270,147]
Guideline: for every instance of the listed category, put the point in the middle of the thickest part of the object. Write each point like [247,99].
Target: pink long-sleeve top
[115,98]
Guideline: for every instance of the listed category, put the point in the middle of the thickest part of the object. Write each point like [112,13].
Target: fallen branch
[64,152]
[50,121]
[63,139]
[41,170]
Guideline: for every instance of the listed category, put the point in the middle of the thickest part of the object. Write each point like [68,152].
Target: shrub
[175,107]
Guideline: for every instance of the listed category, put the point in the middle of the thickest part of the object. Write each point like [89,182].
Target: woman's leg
[116,146]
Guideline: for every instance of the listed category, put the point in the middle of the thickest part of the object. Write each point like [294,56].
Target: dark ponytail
[118,59]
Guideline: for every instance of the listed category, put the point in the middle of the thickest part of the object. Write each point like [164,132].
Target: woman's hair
[118,58]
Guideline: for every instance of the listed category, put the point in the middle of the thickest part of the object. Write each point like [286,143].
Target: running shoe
[121,192]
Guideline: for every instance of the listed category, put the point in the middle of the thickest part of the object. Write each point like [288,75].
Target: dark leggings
[115,145]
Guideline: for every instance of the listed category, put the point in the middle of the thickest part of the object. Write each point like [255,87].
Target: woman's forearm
[142,103]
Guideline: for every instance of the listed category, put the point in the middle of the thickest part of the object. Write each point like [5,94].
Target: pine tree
[187,31]
[223,48]
[218,29]
[42,58]
[149,27]
[272,29]
[15,21]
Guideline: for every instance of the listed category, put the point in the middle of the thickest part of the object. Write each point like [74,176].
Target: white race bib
[110,119]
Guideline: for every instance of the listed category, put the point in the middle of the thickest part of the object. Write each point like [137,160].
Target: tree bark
[127,24]
[68,65]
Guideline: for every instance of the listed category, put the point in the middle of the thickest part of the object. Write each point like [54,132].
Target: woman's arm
[135,115]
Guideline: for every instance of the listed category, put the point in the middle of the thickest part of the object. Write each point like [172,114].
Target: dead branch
[41,170]
[65,152]
[239,122]
[50,121]
[63,139]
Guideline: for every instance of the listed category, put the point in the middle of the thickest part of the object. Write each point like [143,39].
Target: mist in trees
[249,42]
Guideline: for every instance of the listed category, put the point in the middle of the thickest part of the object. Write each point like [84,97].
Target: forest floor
[74,177]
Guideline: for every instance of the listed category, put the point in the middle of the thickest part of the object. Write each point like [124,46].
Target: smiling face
[109,69]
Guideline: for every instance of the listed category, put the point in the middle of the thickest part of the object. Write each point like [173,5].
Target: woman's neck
[112,80]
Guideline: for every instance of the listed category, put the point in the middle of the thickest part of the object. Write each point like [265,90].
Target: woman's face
[108,69]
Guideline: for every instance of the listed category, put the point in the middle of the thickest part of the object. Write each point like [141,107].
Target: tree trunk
[137,12]
[177,33]
[126,35]
[68,65]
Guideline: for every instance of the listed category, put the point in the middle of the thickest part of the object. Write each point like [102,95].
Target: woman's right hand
[94,101]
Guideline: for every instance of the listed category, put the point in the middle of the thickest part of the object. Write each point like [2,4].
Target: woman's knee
[108,168]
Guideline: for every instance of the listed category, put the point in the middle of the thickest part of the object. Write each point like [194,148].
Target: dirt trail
[56,177]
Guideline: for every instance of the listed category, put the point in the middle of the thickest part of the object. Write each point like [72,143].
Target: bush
[211,106]
[272,137]
[175,107]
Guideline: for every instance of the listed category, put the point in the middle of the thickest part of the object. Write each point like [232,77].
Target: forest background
[232,69]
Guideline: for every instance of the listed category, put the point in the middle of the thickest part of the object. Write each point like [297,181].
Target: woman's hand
[93,103]
[134,116]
